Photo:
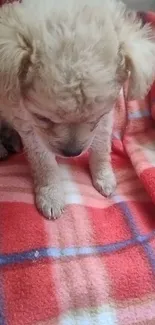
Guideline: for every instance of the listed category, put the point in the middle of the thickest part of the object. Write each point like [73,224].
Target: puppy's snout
[71,152]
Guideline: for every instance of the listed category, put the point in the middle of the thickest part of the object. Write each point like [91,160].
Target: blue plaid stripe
[72,252]
[137,235]
[139,114]
[2,318]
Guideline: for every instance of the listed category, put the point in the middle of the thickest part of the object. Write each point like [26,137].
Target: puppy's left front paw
[105,182]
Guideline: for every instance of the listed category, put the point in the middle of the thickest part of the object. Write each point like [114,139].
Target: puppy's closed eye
[46,120]
[43,122]
[42,118]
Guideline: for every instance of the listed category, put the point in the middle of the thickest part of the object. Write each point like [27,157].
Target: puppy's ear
[16,64]
[139,58]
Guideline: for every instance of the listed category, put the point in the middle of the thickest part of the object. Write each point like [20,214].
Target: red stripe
[30,293]
[22,228]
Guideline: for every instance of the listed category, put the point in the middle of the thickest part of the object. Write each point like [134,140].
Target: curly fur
[61,71]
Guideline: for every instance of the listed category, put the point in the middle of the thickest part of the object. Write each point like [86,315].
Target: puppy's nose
[71,152]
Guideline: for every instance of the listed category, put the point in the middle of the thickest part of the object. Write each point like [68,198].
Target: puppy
[61,71]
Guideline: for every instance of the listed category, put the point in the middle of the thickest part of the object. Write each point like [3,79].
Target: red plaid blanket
[96,264]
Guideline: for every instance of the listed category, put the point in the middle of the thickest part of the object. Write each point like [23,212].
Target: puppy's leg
[47,181]
[100,161]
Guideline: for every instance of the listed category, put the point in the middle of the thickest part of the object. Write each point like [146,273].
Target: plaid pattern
[96,264]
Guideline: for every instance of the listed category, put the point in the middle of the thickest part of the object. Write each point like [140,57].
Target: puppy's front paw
[105,182]
[50,201]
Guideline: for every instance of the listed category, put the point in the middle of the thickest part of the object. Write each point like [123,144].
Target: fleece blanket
[96,264]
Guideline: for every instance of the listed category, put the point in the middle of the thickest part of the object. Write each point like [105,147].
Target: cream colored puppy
[62,65]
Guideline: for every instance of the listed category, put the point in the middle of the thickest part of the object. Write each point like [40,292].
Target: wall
[141,4]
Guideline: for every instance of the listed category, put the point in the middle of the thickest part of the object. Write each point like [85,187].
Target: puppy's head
[70,69]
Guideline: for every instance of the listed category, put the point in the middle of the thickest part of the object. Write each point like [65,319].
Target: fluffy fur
[62,65]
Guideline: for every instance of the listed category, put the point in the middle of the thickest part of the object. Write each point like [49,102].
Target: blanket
[96,264]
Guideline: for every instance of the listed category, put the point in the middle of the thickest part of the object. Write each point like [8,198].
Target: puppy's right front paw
[50,201]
